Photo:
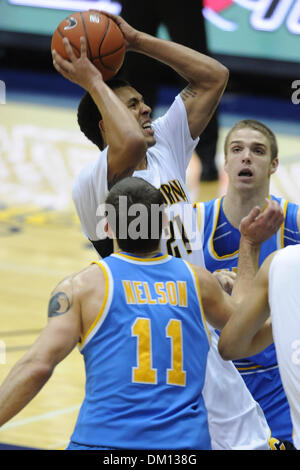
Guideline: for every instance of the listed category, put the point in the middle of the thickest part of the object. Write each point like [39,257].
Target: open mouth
[245,173]
[147,127]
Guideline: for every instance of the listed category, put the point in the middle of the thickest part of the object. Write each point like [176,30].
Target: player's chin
[150,140]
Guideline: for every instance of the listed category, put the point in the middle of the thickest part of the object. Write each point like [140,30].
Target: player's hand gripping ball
[104,40]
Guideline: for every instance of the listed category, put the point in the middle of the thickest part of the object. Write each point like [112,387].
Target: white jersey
[235,419]
[284,300]
[167,162]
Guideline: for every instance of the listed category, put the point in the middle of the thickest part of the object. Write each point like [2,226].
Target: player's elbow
[134,149]
[42,371]
[38,371]
[135,143]
[218,76]
[225,349]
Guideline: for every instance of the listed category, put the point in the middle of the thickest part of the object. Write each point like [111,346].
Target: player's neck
[144,254]
[238,204]
[142,165]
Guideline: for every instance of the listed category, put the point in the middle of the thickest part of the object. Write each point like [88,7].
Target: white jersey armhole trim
[280,232]
[198,292]
[97,323]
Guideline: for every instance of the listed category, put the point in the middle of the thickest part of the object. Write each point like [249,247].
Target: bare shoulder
[207,282]
[82,282]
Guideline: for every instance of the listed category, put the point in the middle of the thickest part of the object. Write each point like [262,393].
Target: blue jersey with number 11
[145,358]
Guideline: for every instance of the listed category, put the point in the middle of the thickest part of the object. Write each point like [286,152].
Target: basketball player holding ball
[115,118]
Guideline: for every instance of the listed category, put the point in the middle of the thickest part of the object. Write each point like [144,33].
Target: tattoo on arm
[188,92]
[119,176]
[59,304]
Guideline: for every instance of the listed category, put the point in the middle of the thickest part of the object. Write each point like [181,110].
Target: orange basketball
[104,40]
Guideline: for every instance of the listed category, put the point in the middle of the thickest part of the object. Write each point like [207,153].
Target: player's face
[248,160]
[135,103]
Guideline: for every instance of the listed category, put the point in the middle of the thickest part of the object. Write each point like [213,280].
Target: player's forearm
[198,69]
[248,264]
[23,382]
[245,334]
[120,125]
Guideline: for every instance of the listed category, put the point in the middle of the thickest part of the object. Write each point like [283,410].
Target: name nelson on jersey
[160,293]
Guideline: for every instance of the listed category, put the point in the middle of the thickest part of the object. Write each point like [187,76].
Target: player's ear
[108,230]
[165,220]
[101,127]
[225,162]
[274,165]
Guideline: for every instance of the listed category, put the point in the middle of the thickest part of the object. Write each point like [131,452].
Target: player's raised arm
[255,229]
[206,77]
[247,332]
[120,130]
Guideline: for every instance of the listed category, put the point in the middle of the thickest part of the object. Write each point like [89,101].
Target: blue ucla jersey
[221,247]
[145,359]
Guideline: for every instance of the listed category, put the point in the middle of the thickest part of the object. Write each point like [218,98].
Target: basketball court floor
[41,152]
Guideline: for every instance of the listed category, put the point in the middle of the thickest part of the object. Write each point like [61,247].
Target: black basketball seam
[104,36]
[86,34]
[109,53]
[73,45]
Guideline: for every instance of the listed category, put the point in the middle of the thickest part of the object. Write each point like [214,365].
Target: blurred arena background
[42,151]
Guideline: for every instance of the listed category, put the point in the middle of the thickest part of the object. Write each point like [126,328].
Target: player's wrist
[94,83]
[137,41]
[250,243]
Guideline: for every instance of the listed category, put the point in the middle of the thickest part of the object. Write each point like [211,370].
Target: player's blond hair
[257,126]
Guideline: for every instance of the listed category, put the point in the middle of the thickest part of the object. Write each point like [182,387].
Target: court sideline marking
[34,419]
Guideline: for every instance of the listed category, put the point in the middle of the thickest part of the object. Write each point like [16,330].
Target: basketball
[104,40]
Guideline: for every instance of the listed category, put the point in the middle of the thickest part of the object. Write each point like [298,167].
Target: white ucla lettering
[293,21]
[267,15]
[270,15]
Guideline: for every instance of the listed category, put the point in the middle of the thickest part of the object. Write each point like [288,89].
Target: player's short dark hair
[135,233]
[88,115]
[257,126]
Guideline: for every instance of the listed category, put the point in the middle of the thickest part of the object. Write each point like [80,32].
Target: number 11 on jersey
[144,372]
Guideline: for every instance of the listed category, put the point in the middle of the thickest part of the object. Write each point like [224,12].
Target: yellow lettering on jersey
[172,294]
[148,294]
[159,289]
[177,190]
[143,373]
[168,196]
[176,375]
[182,293]
[130,299]
[138,292]
[173,192]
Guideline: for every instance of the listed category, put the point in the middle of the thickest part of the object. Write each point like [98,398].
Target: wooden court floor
[33,260]
[41,243]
